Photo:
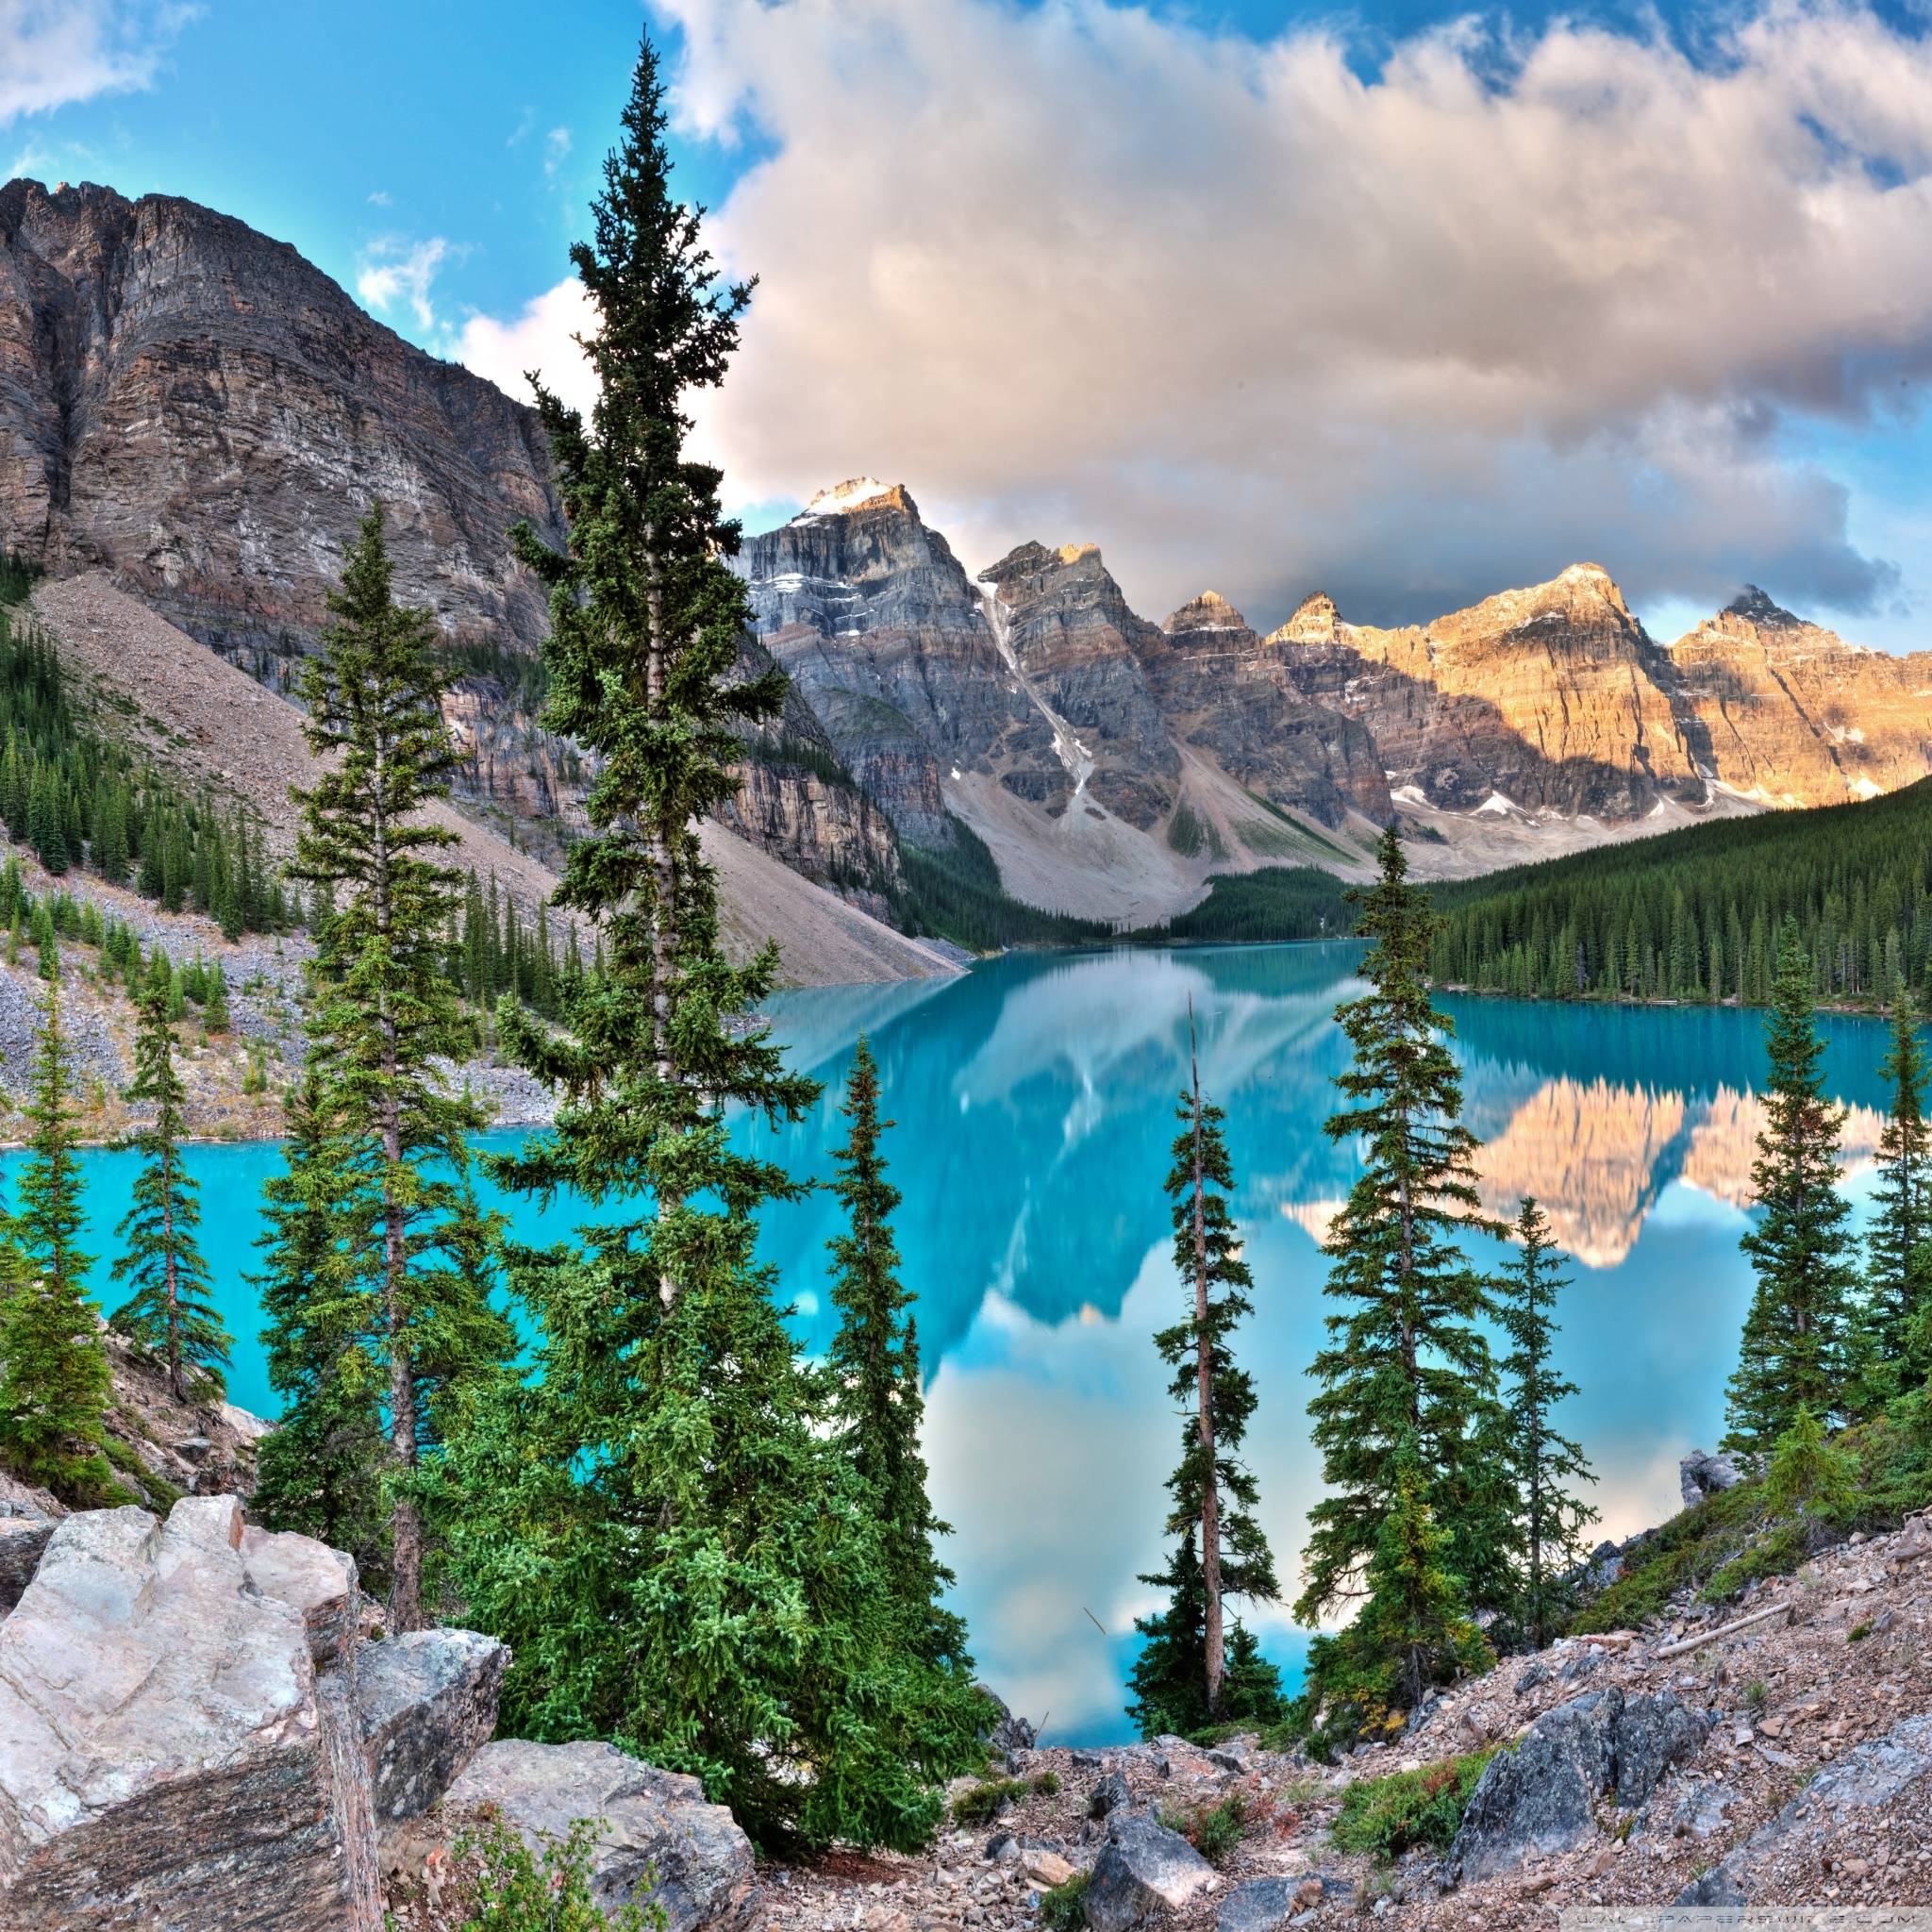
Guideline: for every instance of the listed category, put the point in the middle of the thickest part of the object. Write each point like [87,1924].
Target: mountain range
[197,413]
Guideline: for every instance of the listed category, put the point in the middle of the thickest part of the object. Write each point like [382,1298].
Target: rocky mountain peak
[1315,621]
[1755,608]
[859,492]
[1211,613]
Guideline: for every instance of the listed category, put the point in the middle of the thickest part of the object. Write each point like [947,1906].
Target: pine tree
[55,1385]
[386,1015]
[716,1584]
[880,1405]
[1169,1675]
[170,1314]
[1406,1379]
[1213,1495]
[1552,1520]
[320,1472]
[1898,1270]
[1793,1351]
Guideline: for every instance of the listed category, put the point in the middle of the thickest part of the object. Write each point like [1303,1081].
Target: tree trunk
[177,1380]
[657,842]
[1204,1392]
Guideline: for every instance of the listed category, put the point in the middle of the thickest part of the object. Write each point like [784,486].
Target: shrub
[505,1889]
[1212,1830]
[985,1802]
[1063,1907]
[1046,1784]
[1387,1815]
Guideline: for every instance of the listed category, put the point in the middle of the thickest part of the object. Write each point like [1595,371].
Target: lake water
[1035,1101]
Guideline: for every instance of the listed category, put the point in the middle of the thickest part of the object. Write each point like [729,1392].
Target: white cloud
[539,338]
[392,270]
[1074,271]
[556,146]
[55,51]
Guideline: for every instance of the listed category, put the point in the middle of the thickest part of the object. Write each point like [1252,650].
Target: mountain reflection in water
[1036,1102]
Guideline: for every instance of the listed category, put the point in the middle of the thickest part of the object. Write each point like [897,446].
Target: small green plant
[507,1889]
[1046,1784]
[1063,1907]
[256,1079]
[985,1802]
[1859,1633]
[1754,1693]
[1213,1830]
[1387,1815]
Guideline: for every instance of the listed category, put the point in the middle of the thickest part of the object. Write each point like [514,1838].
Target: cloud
[539,338]
[1248,320]
[392,270]
[55,51]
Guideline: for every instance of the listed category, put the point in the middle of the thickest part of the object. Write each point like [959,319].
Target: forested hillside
[1694,915]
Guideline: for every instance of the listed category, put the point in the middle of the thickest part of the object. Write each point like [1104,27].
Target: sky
[1404,301]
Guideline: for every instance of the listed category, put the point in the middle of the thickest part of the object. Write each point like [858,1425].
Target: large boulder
[23,1537]
[163,1757]
[182,1745]
[1009,1733]
[1700,1476]
[428,1703]
[661,1842]
[1541,1796]
[1142,1869]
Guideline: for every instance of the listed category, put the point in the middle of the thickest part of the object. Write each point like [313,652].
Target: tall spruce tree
[54,1380]
[1793,1354]
[1406,1378]
[716,1589]
[1223,1551]
[1898,1267]
[170,1315]
[386,1015]
[879,1403]
[1551,1518]
[320,1472]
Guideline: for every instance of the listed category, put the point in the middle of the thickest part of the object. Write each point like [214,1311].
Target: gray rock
[1142,1868]
[1701,1809]
[1009,1733]
[1537,1674]
[165,1759]
[429,1703]
[24,1541]
[318,1581]
[1648,1736]
[1700,1476]
[1541,1797]
[1109,1794]
[1714,1888]
[1262,1905]
[657,1822]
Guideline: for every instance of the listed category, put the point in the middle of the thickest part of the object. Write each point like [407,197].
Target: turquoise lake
[1035,1107]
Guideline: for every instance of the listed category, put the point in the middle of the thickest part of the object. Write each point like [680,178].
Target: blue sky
[1398,301]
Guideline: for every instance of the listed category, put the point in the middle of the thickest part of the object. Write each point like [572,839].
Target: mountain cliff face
[1790,714]
[1221,689]
[1549,696]
[205,415]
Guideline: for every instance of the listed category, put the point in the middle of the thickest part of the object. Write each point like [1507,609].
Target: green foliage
[880,1405]
[18,577]
[1406,1416]
[1384,1816]
[1696,914]
[170,1316]
[320,1472]
[989,1798]
[55,1385]
[956,896]
[161,1495]
[1299,902]
[1046,1784]
[1794,1351]
[1178,1679]
[412,1298]
[1063,1907]
[1898,1246]
[507,1889]
[1858,1633]
[493,953]
[1213,1830]
[657,1522]
[1807,1472]
[1551,1520]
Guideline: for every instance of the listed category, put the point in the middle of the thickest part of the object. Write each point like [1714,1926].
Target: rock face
[428,1704]
[659,1822]
[24,1540]
[1700,1476]
[1541,1797]
[1142,1869]
[1220,688]
[170,1756]
[196,409]
[1791,714]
